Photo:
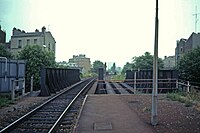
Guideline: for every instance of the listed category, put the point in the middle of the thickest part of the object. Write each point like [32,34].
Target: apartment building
[20,39]
[82,62]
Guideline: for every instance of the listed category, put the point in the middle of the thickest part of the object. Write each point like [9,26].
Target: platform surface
[109,114]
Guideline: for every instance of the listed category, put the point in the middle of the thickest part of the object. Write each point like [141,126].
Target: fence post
[23,89]
[13,90]
[188,86]
[135,82]
[31,83]
[176,84]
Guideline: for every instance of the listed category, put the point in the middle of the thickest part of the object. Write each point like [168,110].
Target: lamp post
[154,112]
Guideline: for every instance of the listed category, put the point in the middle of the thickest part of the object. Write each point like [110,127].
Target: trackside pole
[154,113]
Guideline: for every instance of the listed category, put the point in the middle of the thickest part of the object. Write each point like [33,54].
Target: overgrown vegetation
[189,99]
[5,101]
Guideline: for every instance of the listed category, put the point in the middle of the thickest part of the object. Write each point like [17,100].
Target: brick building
[82,62]
[185,45]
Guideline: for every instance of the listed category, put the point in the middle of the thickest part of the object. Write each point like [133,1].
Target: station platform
[109,114]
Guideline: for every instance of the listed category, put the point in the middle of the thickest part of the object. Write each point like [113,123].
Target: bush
[36,58]
[188,66]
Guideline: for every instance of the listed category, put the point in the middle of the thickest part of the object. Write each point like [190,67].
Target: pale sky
[105,30]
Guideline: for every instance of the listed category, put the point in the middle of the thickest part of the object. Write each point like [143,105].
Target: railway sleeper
[44,118]
[50,121]
[35,126]
[55,110]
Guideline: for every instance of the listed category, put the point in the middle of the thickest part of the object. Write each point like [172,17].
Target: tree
[36,58]
[97,64]
[127,66]
[146,62]
[113,68]
[188,66]
[4,52]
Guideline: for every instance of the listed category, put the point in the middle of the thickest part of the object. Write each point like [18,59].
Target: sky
[105,30]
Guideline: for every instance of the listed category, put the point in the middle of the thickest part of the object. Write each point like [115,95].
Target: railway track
[58,114]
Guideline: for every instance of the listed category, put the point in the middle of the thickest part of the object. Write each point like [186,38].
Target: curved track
[55,115]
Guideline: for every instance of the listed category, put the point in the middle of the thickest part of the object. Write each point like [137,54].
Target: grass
[189,99]
[5,101]
[118,77]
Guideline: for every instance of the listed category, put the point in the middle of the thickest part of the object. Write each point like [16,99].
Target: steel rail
[53,128]
[13,124]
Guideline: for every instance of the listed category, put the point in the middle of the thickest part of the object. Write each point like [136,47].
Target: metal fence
[11,70]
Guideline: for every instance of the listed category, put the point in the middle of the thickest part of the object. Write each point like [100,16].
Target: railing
[183,85]
[16,87]
[162,84]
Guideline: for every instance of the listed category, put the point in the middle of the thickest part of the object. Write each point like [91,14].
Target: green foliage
[4,52]
[128,66]
[97,64]
[188,66]
[88,75]
[187,98]
[5,101]
[146,62]
[113,68]
[118,77]
[36,58]
[142,62]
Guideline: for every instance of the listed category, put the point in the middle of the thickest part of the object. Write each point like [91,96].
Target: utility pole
[196,18]
[154,112]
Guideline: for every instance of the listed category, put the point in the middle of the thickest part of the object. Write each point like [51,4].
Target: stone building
[185,45]
[81,61]
[20,39]
[169,62]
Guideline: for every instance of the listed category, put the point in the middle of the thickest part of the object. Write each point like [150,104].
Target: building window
[28,41]
[20,44]
[35,41]
[181,49]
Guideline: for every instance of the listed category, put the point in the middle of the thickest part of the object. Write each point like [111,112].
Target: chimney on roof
[43,29]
